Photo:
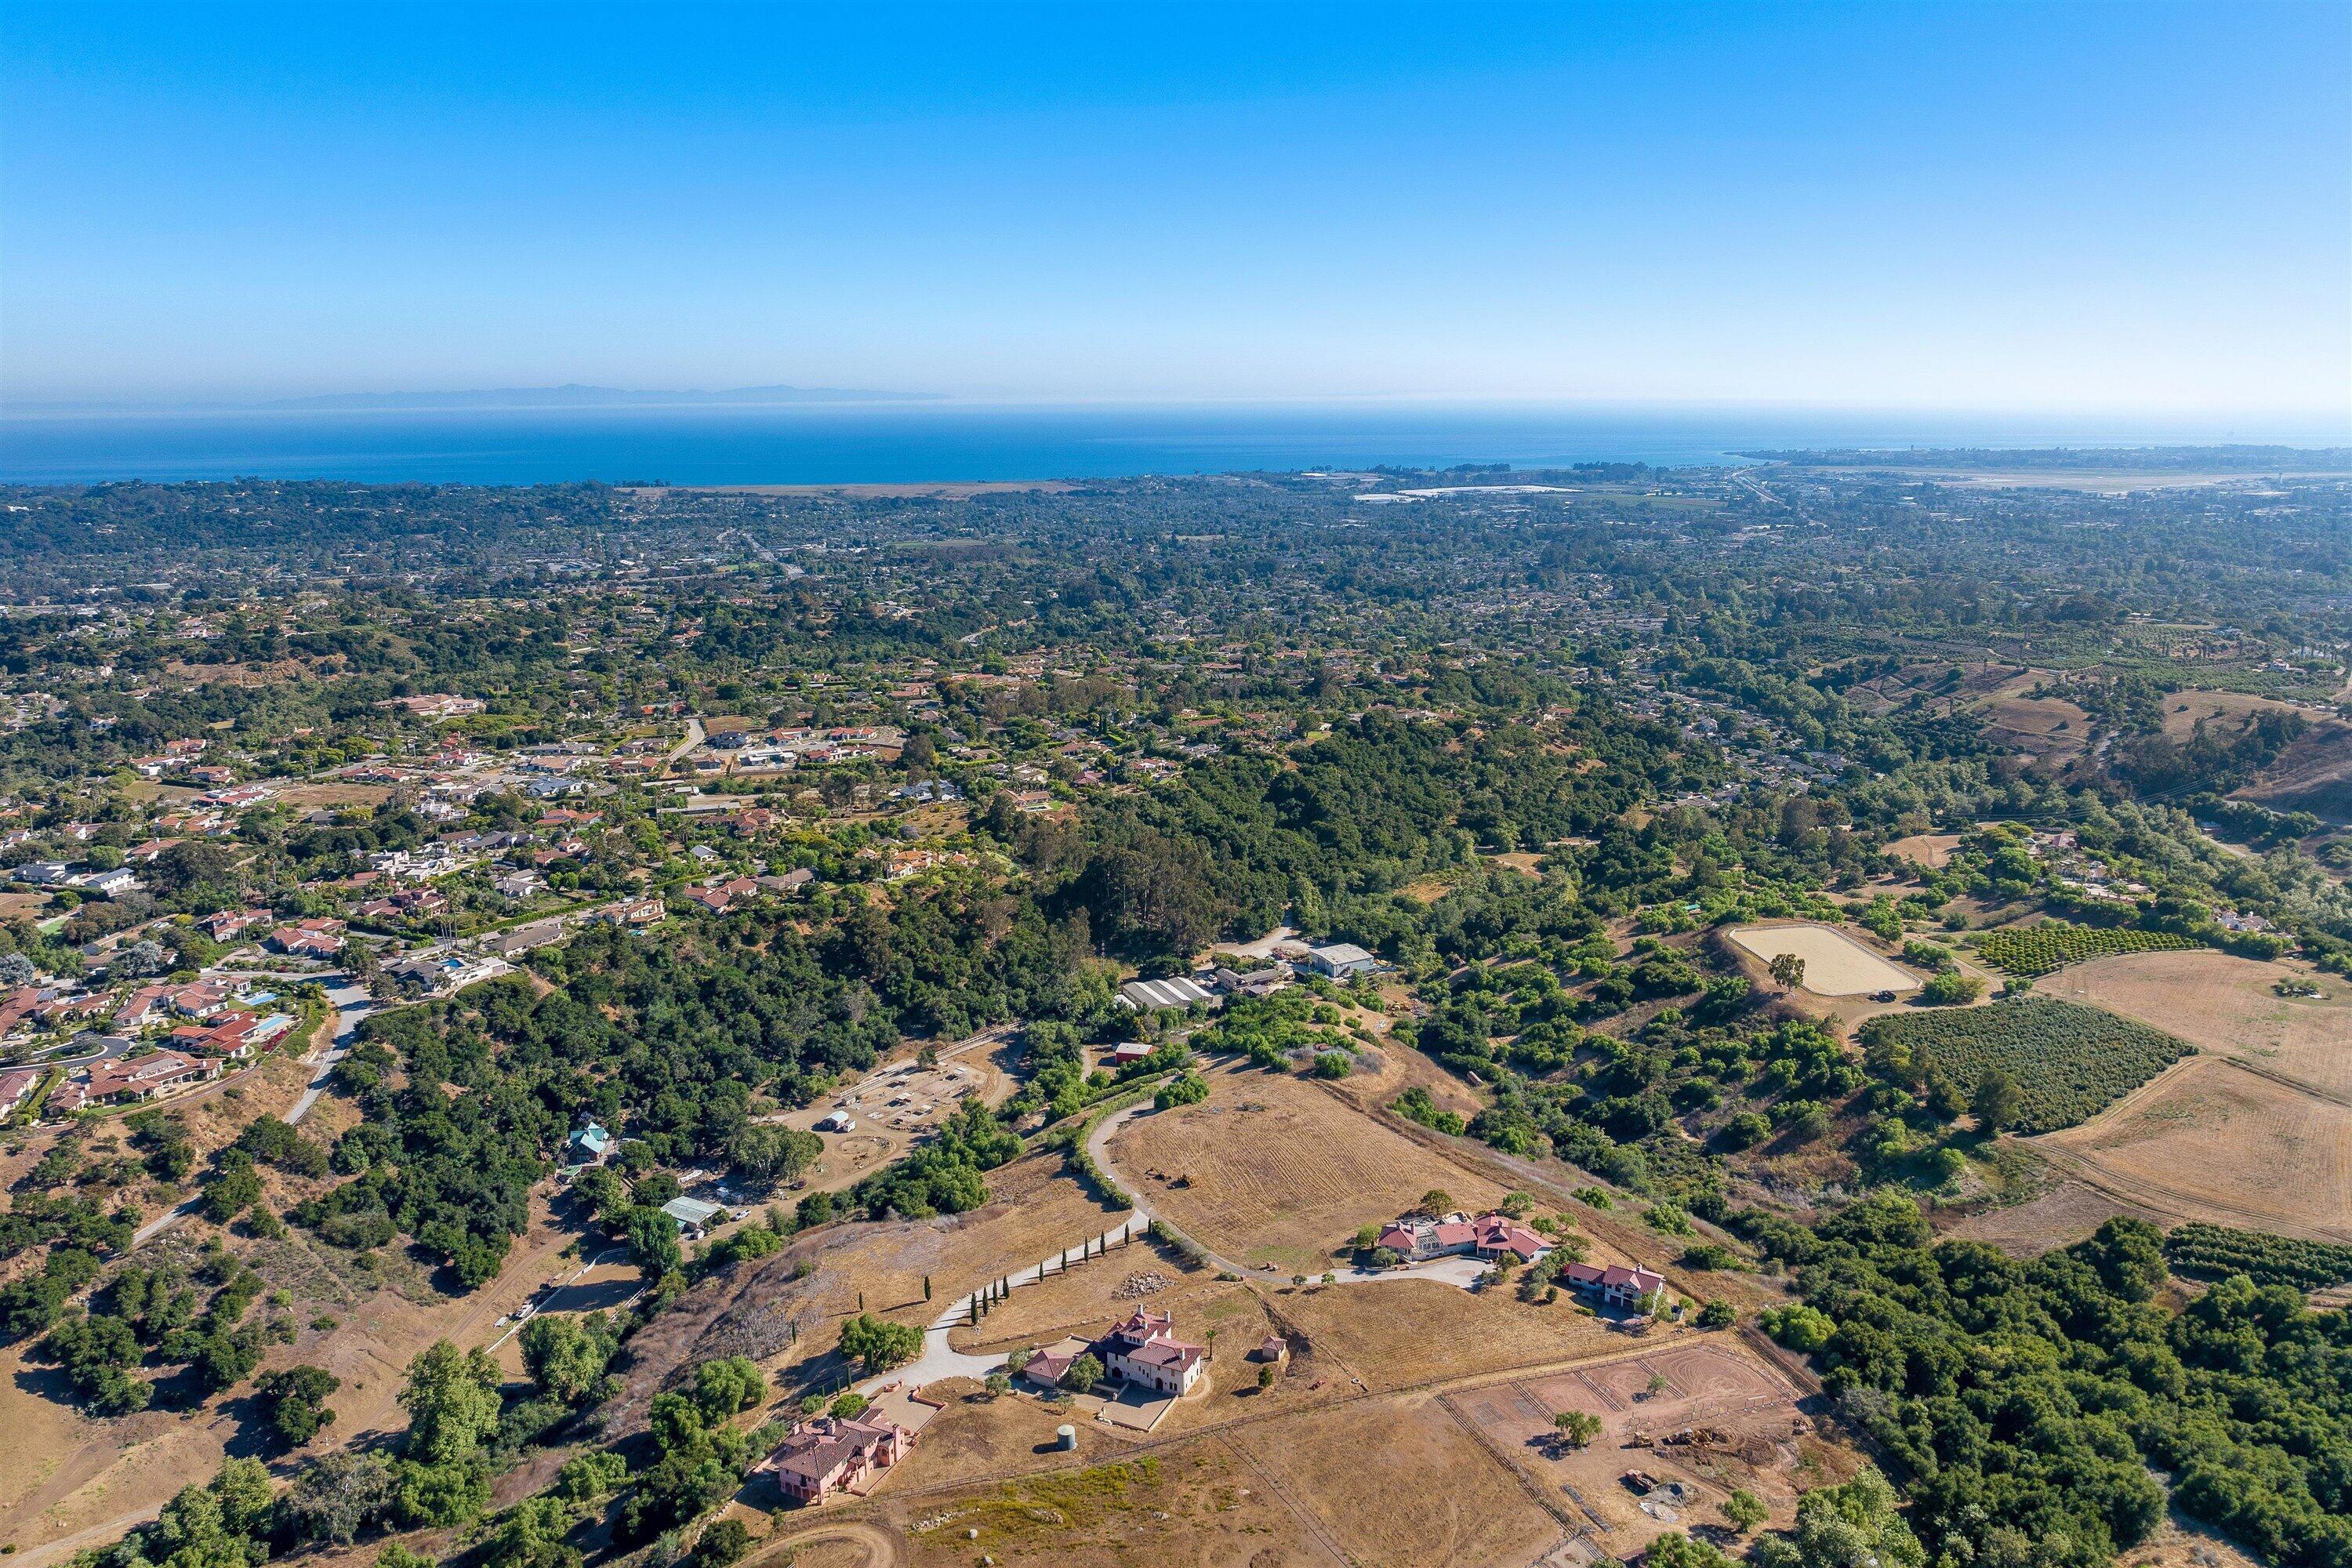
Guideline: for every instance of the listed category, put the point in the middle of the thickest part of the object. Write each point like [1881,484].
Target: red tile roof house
[827,1453]
[1490,1236]
[143,1005]
[227,923]
[15,1087]
[1045,1368]
[1634,1290]
[1142,1351]
[300,943]
[138,1078]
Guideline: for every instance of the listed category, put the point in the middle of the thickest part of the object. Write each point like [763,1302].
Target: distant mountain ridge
[575,395]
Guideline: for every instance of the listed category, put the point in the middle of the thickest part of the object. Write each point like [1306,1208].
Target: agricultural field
[2200,1251]
[1835,964]
[2035,951]
[2215,1141]
[2070,1062]
[1271,1169]
[2227,1005]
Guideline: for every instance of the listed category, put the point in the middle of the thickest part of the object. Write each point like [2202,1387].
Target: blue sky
[2007,208]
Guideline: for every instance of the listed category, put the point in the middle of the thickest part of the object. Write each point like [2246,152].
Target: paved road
[351,1003]
[113,1046]
[694,738]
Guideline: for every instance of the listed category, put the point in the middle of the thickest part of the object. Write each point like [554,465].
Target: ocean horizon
[935,443]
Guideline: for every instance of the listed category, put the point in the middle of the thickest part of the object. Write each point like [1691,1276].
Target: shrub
[880,1345]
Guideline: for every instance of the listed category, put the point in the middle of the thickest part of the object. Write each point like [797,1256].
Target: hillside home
[141,1077]
[1493,1237]
[827,1453]
[1143,1350]
[1633,1290]
[16,1087]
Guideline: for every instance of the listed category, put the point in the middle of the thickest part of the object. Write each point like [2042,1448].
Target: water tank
[1066,1436]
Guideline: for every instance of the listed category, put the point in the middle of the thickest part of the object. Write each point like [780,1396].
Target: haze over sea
[936,442]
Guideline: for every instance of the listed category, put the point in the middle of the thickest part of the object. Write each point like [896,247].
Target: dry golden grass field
[2225,1005]
[2208,1139]
[1197,1505]
[1400,1483]
[1933,850]
[1271,1169]
[1402,1332]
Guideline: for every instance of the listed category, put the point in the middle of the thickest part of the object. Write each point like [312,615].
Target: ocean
[908,443]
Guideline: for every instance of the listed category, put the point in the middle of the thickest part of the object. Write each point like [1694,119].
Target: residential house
[1493,1237]
[694,1217]
[16,1087]
[134,1077]
[1252,982]
[1143,1350]
[111,884]
[718,901]
[827,1453]
[523,937]
[591,1145]
[519,884]
[229,924]
[1633,1290]
[144,1006]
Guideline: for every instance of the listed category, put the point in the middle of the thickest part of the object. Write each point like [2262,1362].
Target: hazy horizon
[2090,210]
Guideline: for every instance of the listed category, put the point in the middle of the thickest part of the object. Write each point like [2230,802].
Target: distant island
[574,396]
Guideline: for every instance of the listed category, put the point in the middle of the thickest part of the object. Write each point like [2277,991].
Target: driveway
[940,1359]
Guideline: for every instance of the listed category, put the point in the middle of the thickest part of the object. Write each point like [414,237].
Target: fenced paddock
[1835,964]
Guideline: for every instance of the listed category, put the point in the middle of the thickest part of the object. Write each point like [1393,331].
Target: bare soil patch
[1933,850]
[1835,964]
[311,796]
[1716,1384]
[2050,732]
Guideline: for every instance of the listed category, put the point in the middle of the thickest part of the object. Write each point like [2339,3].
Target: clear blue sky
[2010,207]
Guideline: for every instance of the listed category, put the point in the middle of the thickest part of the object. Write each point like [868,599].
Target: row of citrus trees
[2040,950]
